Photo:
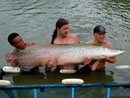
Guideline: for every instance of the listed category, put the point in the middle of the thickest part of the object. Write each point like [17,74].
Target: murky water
[35,21]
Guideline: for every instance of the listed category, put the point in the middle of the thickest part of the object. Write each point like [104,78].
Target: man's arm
[10,59]
[30,43]
[75,38]
[110,60]
[52,62]
[14,62]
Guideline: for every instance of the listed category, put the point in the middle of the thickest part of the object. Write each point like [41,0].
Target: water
[35,21]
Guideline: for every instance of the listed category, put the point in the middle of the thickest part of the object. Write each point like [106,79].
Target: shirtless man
[99,39]
[16,41]
[61,33]
[61,36]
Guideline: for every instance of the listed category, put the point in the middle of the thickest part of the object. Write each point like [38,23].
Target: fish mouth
[122,51]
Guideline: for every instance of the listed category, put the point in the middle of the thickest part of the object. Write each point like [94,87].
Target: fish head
[117,52]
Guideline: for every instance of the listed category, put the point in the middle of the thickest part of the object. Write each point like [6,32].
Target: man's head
[99,29]
[16,41]
[62,26]
[99,33]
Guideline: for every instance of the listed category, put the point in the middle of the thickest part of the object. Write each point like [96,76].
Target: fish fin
[98,57]
[94,66]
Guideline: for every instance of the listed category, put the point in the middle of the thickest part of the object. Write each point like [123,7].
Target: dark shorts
[85,69]
[88,69]
[33,70]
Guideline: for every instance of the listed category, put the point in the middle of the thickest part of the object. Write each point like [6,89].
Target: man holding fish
[60,36]
[99,39]
[73,54]
[16,41]
[91,64]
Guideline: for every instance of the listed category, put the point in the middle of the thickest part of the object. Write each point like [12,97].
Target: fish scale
[65,54]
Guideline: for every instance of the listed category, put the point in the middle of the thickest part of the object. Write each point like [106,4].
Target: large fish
[65,54]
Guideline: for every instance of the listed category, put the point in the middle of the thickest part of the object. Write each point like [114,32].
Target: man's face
[19,43]
[64,30]
[99,37]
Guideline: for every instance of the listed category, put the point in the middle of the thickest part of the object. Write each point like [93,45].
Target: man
[61,35]
[99,33]
[16,41]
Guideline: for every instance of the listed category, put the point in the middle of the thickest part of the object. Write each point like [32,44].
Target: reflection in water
[56,78]
[9,93]
[122,76]
[28,78]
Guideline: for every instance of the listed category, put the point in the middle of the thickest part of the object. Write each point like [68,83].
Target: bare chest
[64,41]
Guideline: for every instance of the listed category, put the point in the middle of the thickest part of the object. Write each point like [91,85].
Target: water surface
[35,21]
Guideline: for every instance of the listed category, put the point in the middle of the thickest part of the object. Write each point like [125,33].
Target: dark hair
[11,37]
[99,29]
[61,22]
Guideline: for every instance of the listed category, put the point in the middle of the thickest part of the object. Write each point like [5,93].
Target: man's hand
[86,61]
[109,59]
[9,57]
[14,62]
[52,62]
